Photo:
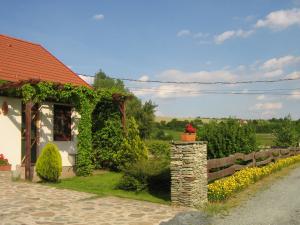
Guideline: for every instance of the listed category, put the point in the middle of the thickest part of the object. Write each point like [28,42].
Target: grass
[105,185]
[265,139]
[237,199]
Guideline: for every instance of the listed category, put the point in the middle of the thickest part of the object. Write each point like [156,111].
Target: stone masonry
[189,173]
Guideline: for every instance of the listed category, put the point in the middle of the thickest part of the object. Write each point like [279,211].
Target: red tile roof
[23,60]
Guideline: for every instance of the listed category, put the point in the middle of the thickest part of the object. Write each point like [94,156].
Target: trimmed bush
[49,163]
[152,174]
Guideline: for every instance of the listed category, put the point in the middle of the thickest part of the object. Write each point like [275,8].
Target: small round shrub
[49,163]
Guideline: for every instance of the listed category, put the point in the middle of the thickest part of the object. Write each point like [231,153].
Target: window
[62,123]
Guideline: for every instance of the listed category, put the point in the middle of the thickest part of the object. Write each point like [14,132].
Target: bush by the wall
[227,137]
[286,135]
[159,149]
[151,174]
[49,163]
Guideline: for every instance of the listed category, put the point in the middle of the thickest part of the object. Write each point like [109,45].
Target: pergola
[12,89]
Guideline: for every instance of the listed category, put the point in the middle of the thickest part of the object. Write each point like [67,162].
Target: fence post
[254,160]
[189,173]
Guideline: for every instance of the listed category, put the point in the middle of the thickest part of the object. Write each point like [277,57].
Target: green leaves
[228,137]
[286,135]
[113,148]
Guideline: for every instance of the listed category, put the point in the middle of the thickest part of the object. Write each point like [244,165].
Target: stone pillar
[189,173]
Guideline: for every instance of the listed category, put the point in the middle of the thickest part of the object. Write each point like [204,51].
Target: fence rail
[222,167]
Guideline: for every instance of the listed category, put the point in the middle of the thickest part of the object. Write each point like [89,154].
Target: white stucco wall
[67,148]
[10,131]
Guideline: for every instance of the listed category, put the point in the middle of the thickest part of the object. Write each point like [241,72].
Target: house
[50,121]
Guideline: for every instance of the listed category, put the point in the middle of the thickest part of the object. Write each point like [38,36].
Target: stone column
[189,173]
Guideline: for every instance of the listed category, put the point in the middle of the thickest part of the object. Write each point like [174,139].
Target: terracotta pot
[5,168]
[188,137]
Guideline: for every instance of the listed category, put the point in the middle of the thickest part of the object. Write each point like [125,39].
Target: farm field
[263,139]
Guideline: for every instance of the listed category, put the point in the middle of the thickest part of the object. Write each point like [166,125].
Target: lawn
[105,185]
[265,139]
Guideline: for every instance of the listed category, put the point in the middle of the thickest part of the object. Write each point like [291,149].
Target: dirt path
[278,205]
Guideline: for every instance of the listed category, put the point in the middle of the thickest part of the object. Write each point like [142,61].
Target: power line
[213,90]
[222,92]
[202,82]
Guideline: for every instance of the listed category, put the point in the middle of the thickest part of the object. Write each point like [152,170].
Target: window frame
[64,133]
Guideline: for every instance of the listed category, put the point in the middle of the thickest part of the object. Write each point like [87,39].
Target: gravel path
[278,205]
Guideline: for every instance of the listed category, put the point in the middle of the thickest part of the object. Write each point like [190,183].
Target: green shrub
[113,148]
[227,137]
[150,174]
[286,134]
[49,163]
[159,149]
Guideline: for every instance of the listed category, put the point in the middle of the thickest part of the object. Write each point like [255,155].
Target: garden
[131,158]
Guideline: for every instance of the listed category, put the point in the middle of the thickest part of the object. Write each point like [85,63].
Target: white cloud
[183,33]
[206,76]
[261,97]
[280,19]
[280,63]
[267,106]
[144,78]
[268,114]
[273,73]
[295,95]
[201,35]
[174,90]
[294,75]
[219,39]
[98,17]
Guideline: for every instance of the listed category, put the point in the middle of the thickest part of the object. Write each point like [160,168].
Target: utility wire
[228,90]
[223,93]
[203,82]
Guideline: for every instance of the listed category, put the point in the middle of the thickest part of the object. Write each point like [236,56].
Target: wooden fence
[222,167]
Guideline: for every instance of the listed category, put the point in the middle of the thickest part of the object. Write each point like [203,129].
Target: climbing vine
[84,100]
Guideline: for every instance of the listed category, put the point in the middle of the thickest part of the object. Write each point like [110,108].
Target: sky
[175,40]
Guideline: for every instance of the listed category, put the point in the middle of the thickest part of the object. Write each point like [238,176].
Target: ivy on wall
[84,100]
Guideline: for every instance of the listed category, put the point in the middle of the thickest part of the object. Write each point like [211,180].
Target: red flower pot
[188,137]
[5,168]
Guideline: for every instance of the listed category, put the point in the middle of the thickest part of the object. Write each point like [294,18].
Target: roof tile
[23,60]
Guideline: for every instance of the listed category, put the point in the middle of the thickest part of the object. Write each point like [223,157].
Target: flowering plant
[190,129]
[3,160]
[224,188]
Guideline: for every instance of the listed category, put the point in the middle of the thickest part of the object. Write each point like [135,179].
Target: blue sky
[174,40]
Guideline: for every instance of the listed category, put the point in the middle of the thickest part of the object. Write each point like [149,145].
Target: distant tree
[104,81]
[286,135]
[227,137]
[143,113]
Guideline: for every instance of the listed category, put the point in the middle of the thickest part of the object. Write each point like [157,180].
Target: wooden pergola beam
[28,171]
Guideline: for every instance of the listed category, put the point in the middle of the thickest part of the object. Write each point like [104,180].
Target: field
[265,139]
